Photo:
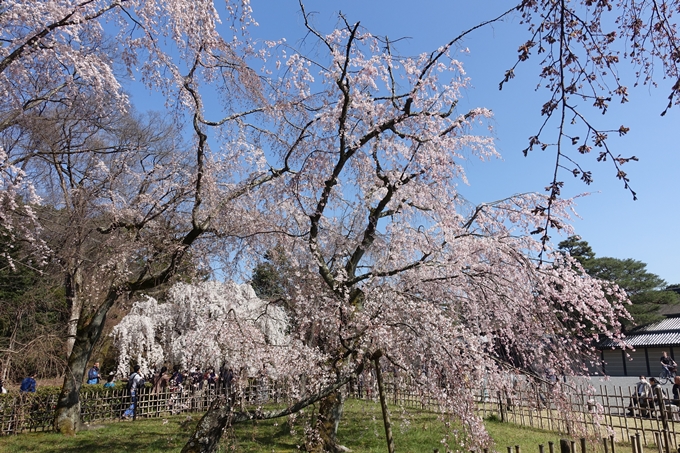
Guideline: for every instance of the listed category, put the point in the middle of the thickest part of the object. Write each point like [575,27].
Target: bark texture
[67,414]
[326,436]
[206,437]
[72,284]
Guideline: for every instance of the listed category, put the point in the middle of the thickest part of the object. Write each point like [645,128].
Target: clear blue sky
[612,222]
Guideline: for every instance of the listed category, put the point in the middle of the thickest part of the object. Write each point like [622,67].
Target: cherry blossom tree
[351,162]
[206,324]
[406,273]
[151,209]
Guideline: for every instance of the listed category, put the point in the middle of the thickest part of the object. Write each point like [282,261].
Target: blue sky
[612,222]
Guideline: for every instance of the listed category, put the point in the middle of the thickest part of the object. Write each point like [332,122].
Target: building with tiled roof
[648,343]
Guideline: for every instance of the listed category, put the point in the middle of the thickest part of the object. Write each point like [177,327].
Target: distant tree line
[648,292]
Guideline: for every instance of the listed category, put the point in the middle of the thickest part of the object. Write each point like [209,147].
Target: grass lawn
[361,430]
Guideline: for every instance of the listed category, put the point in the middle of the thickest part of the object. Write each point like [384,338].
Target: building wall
[636,364]
[613,362]
[640,361]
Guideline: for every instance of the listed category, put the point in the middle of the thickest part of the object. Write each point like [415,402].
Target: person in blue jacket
[28,384]
[93,374]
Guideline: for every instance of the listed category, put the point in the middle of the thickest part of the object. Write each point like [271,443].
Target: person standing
[135,383]
[160,383]
[93,374]
[28,385]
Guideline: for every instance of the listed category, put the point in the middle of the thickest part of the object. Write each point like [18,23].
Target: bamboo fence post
[530,409]
[517,449]
[633,443]
[539,413]
[631,408]
[566,446]
[657,438]
[583,445]
[551,447]
[611,438]
[540,448]
[512,402]
[551,420]
[608,410]
[604,443]
[527,409]
[638,443]
[542,411]
[662,409]
[642,421]
[613,425]
[587,421]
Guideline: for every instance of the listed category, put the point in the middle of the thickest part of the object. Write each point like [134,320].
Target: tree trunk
[72,283]
[67,413]
[220,416]
[208,432]
[330,412]
[383,404]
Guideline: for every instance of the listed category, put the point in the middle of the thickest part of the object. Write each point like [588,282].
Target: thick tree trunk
[67,414]
[383,403]
[326,436]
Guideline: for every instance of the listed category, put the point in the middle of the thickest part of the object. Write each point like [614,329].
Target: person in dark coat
[28,385]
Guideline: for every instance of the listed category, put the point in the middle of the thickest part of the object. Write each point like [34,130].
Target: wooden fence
[31,412]
[600,413]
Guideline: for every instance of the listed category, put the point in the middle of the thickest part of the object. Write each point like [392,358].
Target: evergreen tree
[647,291]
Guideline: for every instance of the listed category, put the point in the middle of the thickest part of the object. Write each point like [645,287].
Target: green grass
[361,430]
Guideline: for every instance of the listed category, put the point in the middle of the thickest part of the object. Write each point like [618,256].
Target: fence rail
[602,413]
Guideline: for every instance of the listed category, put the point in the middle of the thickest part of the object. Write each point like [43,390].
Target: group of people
[94,376]
[648,395]
[161,379]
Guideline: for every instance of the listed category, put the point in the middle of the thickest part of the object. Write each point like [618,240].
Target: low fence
[602,412]
[30,412]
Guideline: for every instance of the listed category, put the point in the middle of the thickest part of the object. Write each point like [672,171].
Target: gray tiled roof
[662,333]
[647,339]
[666,324]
